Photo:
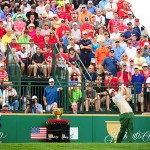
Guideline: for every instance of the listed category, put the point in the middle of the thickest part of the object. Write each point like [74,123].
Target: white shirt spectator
[31,49]
[128,20]
[76,34]
[123,44]
[49,15]
[76,47]
[100,19]
[25,9]
[131,52]
[24,55]
[2,47]
[114,35]
[70,70]
[40,10]
[109,14]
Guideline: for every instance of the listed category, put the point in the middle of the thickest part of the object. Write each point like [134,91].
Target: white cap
[51,80]
[1,64]
[145,64]
[136,67]
[110,91]
[67,2]
[75,23]
[13,37]
[129,13]
[84,32]
[34,97]
[5,104]
[19,16]
[90,2]
[146,43]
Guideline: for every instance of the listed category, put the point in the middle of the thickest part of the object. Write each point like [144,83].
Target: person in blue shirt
[130,31]
[34,107]
[102,4]
[110,64]
[138,84]
[91,8]
[50,95]
[118,50]
[66,38]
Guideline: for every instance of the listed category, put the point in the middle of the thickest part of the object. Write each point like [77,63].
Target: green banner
[17,128]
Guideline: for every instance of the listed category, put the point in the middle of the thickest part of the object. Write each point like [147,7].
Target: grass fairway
[74,146]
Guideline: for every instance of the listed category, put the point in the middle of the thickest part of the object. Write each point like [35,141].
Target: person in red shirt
[52,37]
[60,32]
[122,27]
[123,12]
[48,55]
[38,39]
[14,44]
[86,26]
[124,76]
[111,82]
[113,22]
[60,13]
[3,73]
[2,30]
[5,109]
[143,40]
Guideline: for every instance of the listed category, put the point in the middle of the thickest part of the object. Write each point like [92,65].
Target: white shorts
[138,98]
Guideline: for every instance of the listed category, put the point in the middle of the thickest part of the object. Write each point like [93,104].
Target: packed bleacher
[100,45]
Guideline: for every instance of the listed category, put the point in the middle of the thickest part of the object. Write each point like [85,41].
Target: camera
[31,102]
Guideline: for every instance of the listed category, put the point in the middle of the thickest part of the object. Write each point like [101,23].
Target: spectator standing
[138,84]
[51,94]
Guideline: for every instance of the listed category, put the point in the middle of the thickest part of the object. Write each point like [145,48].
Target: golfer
[126,113]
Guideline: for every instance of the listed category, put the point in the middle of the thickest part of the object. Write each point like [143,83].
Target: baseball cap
[136,20]
[75,23]
[136,67]
[124,64]
[111,50]
[110,91]
[19,16]
[122,35]
[67,31]
[51,80]
[13,37]
[73,63]
[83,6]
[86,19]
[71,38]
[84,32]
[105,33]
[134,35]
[31,25]
[74,16]
[131,59]
[146,43]
[33,7]
[62,21]
[129,13]
[145,65]
[60,40]
[145,35]
[90,2]
[129,23]
[34,97]
[109,73]
[44,15]
[67,2]
[5,104]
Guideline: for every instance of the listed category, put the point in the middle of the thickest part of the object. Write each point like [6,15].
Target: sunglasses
[131,61]
[5,106]
[117,42]
[124,56]
[145,66]
[44,17]
[51,33]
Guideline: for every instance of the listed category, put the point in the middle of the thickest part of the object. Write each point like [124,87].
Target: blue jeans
[15,104]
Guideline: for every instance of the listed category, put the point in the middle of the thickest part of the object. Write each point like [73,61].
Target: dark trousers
[126,121]
[86,59]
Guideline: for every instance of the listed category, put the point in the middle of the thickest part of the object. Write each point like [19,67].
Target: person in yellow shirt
[7,37]
[139,60]
[84,14]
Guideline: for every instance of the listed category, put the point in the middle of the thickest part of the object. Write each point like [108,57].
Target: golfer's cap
[34,97]
[110,91]
[51,80]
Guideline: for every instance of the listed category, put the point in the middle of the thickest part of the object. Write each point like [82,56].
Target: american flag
[38,133]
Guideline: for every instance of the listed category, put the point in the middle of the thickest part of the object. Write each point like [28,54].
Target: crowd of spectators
[104,34]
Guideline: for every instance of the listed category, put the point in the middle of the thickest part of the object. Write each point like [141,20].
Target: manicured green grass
[74,146]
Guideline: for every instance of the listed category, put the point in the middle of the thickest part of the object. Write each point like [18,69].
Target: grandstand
[87,48]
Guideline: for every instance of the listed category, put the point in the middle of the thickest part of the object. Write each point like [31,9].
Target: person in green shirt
[24,39]
[75,94]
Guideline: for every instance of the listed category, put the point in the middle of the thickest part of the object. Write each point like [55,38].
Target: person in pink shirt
[31,30]
[19,26]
